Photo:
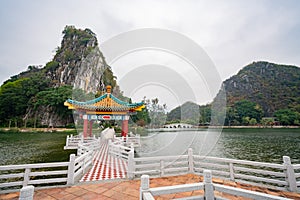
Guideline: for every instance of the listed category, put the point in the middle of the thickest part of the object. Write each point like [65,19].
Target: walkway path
[129,190]
[106,167]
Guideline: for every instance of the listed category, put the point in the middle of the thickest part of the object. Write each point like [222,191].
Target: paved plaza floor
[129,189]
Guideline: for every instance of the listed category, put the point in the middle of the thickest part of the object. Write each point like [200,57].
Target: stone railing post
[162,168]
[289,174]
[145,183]
[67,141]
[208,185]
[191,160]
[71,170]
[231,171]
[79,148]
[82,139]
[131,164]
[26,177]
[26,193]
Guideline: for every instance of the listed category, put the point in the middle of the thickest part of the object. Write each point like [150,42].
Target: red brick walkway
[128,190]
[106,167]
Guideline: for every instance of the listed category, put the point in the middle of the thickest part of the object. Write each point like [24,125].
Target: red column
[124,127]
[85,128]
[91,128]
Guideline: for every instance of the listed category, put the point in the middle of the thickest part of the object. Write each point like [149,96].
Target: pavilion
[105,107]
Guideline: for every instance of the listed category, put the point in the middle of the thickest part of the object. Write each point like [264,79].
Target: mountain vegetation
[260,93]
[190,113]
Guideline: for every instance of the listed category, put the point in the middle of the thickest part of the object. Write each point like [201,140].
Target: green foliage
[12,100]
[88,51]
[231,116]
[243,112]
[287,117]
[71,31]
[205,115]
[51,66]
[69,55]
[109,78]
[270,85]
[15,96]
[54,97]
[84,36]
[252,121]
[141,118]
[267,121]
[246,110]
[190,113]
[80,95]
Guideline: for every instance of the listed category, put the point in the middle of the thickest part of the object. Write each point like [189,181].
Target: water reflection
[265,145]
[177,143]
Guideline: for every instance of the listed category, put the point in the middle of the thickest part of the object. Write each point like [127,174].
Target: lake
[265,145]
[37,147]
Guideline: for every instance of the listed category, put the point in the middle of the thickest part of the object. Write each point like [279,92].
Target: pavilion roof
[105,103]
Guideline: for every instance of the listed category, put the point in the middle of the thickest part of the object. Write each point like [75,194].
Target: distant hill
[260,93]
[190,113]
[270,85]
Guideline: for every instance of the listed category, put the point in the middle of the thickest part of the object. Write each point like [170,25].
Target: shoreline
[49,130]
[222,127]
[255,127]
[46,130]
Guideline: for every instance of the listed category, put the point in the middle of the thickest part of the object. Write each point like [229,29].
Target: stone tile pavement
[129,189]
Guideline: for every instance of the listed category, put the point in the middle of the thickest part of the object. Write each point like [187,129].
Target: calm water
[25,148]
[265,145]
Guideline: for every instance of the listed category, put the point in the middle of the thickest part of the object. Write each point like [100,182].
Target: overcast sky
[233,33]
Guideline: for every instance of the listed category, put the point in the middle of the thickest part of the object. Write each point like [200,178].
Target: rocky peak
[78,62]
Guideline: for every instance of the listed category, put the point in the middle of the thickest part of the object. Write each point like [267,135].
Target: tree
[287,116]
[55,97]
[246,120]
[157,112]
[252,121]
[267,121]
[141,118]
[109,78]
[231,116]
[13,101]
[249,109]
[15,97]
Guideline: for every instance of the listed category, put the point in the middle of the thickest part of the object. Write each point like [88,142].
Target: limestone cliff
[78,63]
[35,97]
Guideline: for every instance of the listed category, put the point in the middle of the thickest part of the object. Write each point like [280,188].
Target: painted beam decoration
[107,117]
[105,107]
